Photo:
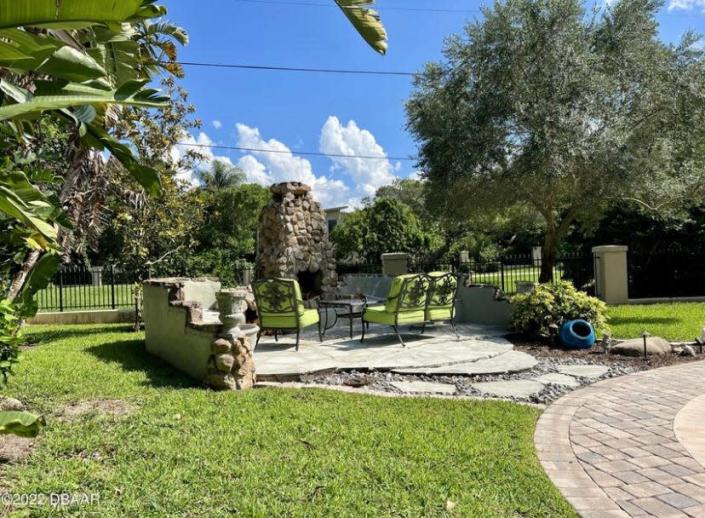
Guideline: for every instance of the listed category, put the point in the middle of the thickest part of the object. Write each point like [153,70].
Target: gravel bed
[550,360]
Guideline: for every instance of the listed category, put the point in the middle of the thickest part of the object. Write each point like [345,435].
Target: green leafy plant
[23,424]
[9,338]
[547,304]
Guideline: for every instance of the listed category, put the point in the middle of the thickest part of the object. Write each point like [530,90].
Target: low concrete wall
[374,285]
[665,300]
[174,327]
[477,304]
[108,316]
[480,305]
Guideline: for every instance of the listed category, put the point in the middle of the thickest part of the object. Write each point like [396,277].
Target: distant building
[334,215]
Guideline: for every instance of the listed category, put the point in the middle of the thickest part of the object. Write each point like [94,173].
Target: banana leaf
[366,21]
[73,14]
[23,424]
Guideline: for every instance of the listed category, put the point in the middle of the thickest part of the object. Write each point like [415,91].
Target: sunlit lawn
[677,321]
[187,451]
[85,297]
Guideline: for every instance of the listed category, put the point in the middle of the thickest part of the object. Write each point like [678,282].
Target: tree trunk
[78,156]
[21,276]
[549,253]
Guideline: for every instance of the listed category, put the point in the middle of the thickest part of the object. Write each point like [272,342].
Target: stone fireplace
[293,241]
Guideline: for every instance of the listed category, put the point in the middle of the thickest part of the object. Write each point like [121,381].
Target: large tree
[387,225]
[544,106]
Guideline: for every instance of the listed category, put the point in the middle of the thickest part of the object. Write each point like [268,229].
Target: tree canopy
[387,225]
[543,106]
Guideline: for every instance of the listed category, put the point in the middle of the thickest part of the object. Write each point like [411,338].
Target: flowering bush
[533,313]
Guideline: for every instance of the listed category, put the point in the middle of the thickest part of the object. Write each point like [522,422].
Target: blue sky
[341,114]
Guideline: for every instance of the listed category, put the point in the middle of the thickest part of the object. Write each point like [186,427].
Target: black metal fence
[507,272]
[75,288]
[666,274]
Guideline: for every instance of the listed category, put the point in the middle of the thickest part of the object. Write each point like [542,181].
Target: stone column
[232,365]
[395,264]
[611,273]
[96,275]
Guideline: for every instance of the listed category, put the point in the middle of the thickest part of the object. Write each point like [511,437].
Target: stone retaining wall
[208,340]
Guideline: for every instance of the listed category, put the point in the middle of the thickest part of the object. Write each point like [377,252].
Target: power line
[378,8]
[291,152]
[297,69]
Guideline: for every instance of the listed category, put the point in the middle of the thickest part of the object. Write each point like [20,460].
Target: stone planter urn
[230,303]
[232,365]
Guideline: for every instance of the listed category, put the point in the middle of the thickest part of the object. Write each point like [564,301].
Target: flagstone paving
[424,387]
[584,371]
[630,446]
[380,351]
[510,361]
[510,389]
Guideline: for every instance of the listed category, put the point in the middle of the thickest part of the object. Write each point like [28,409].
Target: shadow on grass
[643,320]
[36,336]
[132,357]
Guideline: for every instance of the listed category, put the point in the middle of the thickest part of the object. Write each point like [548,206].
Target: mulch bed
[597,354]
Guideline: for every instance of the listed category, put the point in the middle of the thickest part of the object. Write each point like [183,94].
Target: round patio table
[344,307]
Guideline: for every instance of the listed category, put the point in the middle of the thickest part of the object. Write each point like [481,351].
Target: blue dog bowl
[577,334]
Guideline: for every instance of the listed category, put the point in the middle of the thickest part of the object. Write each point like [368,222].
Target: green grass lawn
[188,451]
[674,321]
[85,297]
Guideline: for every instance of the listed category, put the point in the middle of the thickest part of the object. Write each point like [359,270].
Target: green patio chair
[280,307]
[442,297]
[406,304]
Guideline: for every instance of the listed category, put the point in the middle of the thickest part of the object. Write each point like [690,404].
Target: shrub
[534,312]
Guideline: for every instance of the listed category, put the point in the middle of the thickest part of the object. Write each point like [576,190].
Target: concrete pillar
[611,277]
[464,256]
[395,264]
[536,255]
[96,275]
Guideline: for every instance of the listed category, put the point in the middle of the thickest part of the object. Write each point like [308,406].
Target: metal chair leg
[259,335]
[298,334]
[423,328]
[276,336]
[362,338]
[320,332]
[452,324]
[396,330]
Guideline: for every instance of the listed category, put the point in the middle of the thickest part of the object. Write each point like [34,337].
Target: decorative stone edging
[612,451]
[232,364]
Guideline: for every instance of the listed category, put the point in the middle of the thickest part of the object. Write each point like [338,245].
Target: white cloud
[687,5]
[190,175]
[217,124]
[267,168]
[366,174]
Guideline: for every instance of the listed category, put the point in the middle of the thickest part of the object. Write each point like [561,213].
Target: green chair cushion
[288,320]
[438,314]
[380,315]
[394,289]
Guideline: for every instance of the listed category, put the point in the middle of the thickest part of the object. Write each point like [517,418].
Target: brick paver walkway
[612,450]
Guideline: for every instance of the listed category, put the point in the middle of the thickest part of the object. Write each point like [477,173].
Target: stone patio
[436,349]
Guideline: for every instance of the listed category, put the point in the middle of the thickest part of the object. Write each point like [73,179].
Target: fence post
[112,284]
[61,290]
[611,275]
[395,264]
[501,273]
